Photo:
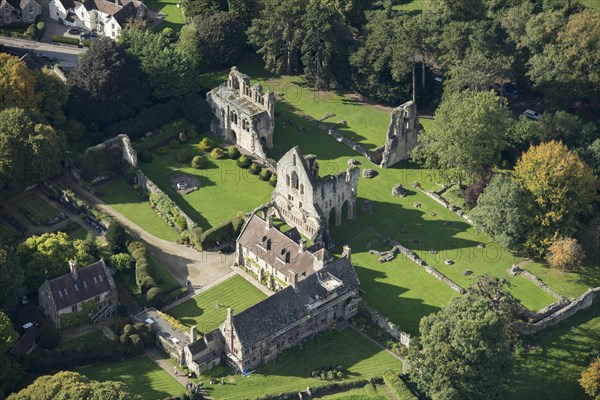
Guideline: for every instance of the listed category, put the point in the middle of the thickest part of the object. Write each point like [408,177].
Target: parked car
[74,31]
[532,114]
[510,89]
[88,35]
[45,56]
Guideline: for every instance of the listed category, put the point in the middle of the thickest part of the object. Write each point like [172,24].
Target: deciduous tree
[565,254]
[11,280]
[221,39]
[590,379]
[53,95]
[17,84]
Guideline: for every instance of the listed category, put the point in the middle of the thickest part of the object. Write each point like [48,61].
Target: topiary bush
[146,156]
[273,180]
[154,296]
[183,156]
[255,169]
[197,162]
[233,152]
[244,161]
[206,144]
[264,175]
[217,154]
[173,143]
[183,137]
[162,150]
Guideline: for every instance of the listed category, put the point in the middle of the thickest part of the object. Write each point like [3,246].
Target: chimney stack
[293,278]
[229,313]
[193,334]
[73,268]
[302,245]
[347,253]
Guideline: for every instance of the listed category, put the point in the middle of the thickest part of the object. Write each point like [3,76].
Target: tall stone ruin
[401,136]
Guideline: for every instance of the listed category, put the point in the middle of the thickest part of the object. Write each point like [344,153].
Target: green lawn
[163,278]
[120,196]
[565,352]
[202,310]
[291,370]
[174,15]
[92,337]
[164,134]
[369,392]
[141,375]
[224,190]
[38,208]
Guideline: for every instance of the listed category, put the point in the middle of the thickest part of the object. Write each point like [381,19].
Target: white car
[532,114]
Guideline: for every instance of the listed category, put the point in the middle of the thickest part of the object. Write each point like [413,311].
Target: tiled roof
[91,281]
[256,236]
[291,304]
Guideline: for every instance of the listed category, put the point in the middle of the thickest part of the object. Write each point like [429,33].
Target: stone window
[294,159]
[301,189]
[74,308]
[294,180]
[287,180]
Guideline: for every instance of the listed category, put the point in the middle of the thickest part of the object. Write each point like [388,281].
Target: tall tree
[53,96]
[476,71]
[188,45]
[467,135]
[243,10]
[590,379]
[277,33]
[503,213]
[221,39]
[325,45]
[11,280]
[106,85]
[562,187]
[193,8]
[465,351]
[565,254]
[67,385]
[17,84]
[10,371]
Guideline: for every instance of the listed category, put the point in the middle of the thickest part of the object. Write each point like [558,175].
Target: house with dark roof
[19,12]
[67,293]
[298,312]
[274,257]
[104,17]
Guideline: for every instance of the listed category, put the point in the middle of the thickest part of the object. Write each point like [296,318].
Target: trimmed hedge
[197,162]
[273,180]
[244,161]
[397,386]
[217,154]
[233,152]
[222,232]
[255,169]
[65,40]
[207,144]
[265,175]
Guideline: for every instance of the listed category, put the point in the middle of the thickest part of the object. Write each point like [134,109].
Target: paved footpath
[183,262]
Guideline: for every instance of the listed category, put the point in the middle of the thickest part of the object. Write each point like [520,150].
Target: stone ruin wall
[121,141]
[333,191]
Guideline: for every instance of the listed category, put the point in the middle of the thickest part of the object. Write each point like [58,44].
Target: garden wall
[586,300]
[455,209]
[150,187]
[392,329]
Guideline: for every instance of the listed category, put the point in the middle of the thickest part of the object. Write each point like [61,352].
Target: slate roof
[91,281]
[255,236]
[121,10]
[291,304]
[18,4]
[197,346]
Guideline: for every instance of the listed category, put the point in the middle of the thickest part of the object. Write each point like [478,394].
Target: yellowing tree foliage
[565,254]
[17,84]
[590,379]
[562,187]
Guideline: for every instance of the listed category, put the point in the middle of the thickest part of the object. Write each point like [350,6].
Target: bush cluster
[233,152]
[255,169]
[143,276]
[206,144]
[137,335]
[217,153]
[65,40]
[244,161]
[329,373]
[168,210]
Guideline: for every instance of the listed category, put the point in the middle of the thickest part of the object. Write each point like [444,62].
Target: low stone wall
[150,187]
[455,209]
[121,141]
[539,283]
[392,329]
[586,300]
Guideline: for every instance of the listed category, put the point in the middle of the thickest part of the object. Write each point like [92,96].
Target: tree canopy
[221,39]
[11,280]
[66,385]
[17,84]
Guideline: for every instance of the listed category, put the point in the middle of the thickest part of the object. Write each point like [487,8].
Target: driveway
[183,262]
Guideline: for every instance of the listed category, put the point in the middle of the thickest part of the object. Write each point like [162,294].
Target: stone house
[19,12]
[104,17]
[243,115]
[309,202]
[287,318]
[67,293]
[276,257]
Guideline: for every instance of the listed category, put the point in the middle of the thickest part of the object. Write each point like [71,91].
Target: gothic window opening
[294,180]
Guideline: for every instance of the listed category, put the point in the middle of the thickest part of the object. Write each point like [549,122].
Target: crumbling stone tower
[311,203]
[402,134]
[243,115]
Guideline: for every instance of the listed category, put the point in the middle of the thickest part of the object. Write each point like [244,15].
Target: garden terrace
[38,211]
[173,14]
[141,375]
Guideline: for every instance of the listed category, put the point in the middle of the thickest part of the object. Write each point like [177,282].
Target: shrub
[255,169]
[40,26]
[217,154]
[146,156]
[180,222]
[244,161]
[137,341]
[217,234]
[154,296]
[264,175]
[473,192]
[147,283]
[206,144]
[49,336]
[565,254]
[162,150]
[128,329]
[197,162]
[233,152]
[183,137]
[31,31]
[65,40]
[183,156]
[192,134]
[273,180]
[86,42]
[121,261]
[173,143]
[397,386]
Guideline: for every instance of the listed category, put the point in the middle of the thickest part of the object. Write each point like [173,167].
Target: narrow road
[183,262]
[66,53]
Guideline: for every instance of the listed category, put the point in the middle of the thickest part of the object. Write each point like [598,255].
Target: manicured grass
[202,310]
[164,134]
[369,392]
[569,284]
[163,278]
[224,190]
[38,208]
[141,375]
[120,196]
[92,337]
[553,373]
[174,15]
[291,370]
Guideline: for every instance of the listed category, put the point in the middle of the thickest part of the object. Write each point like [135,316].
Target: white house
[18,12]
[104,17]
